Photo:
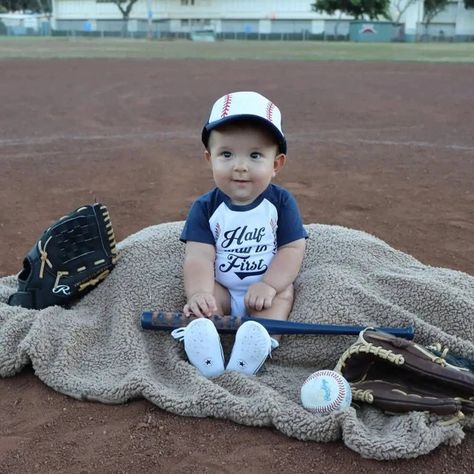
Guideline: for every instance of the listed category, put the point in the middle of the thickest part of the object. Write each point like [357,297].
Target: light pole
[149,19]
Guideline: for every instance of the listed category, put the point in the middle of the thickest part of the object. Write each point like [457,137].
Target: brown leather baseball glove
[398,375]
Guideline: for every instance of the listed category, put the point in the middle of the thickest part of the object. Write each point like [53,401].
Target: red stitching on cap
[226,106]
[270,107]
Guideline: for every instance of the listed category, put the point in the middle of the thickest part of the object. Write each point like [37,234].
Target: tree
[125,7]
[356,8]
[401,6]
[125,10]
[432,8]
[44,6]
[36,6]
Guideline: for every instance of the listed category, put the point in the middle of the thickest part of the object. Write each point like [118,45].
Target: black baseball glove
[398,375]
[70,258]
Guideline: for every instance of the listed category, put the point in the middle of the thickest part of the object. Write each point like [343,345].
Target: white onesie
[245,237]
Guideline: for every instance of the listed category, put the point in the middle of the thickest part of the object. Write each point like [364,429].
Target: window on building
[200,22]
[186,3]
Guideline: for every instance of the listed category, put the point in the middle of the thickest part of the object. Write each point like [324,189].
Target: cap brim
[280,138]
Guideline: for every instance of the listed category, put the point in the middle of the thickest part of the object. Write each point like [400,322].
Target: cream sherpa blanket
[98,351]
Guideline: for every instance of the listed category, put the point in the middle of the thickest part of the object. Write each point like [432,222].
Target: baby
[245,239]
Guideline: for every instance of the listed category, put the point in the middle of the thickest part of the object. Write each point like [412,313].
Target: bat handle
[406,332]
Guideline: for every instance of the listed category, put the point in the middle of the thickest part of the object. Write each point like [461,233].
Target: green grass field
[260,50]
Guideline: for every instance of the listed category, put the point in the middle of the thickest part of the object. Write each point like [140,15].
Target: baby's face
[243,161]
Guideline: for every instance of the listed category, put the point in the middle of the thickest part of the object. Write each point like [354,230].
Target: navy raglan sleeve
[196,227]
[290,224]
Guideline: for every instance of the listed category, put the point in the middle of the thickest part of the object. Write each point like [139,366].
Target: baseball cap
[245,105]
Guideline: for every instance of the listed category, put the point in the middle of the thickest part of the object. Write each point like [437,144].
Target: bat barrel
[167,321]
[161,321]
[146,320]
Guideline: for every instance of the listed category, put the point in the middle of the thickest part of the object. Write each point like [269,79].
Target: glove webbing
[369,348]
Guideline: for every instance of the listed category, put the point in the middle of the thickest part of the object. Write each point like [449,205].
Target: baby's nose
[240,164]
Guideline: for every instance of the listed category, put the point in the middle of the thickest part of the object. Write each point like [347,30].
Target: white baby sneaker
[251,348]
[202,345]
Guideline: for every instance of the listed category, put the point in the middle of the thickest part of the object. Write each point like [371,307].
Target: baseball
[325,391]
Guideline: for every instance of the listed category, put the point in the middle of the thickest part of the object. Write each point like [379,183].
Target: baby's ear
[207,156]
[278,163]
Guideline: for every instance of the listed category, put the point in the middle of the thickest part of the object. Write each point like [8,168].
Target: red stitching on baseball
[270,111]
[340,397]
[226,105]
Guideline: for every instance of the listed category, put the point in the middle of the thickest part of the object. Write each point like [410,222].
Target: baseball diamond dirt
[383,147]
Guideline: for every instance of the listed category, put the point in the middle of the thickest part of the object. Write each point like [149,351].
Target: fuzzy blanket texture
[96,350]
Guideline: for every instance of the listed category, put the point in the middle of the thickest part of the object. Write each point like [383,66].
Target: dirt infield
[386,148]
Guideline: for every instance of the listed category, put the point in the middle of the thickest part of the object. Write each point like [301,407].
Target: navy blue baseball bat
[167,321]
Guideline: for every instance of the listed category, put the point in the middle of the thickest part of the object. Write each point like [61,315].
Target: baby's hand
[201,305]
[259,296]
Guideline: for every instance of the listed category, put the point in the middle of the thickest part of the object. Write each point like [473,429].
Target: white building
[25,23]
[249,18]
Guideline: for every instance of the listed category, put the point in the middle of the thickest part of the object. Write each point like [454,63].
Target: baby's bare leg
[222,296]
[281,306]
[280,309]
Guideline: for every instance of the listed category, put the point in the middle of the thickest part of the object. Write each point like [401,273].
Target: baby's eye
[255,155]
[226,154]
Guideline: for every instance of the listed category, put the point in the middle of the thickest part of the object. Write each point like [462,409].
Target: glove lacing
[44,257]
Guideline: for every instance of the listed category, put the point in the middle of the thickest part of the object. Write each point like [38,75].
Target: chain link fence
[287,30]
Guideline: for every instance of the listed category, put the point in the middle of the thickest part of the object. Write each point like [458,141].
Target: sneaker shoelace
[178,334]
